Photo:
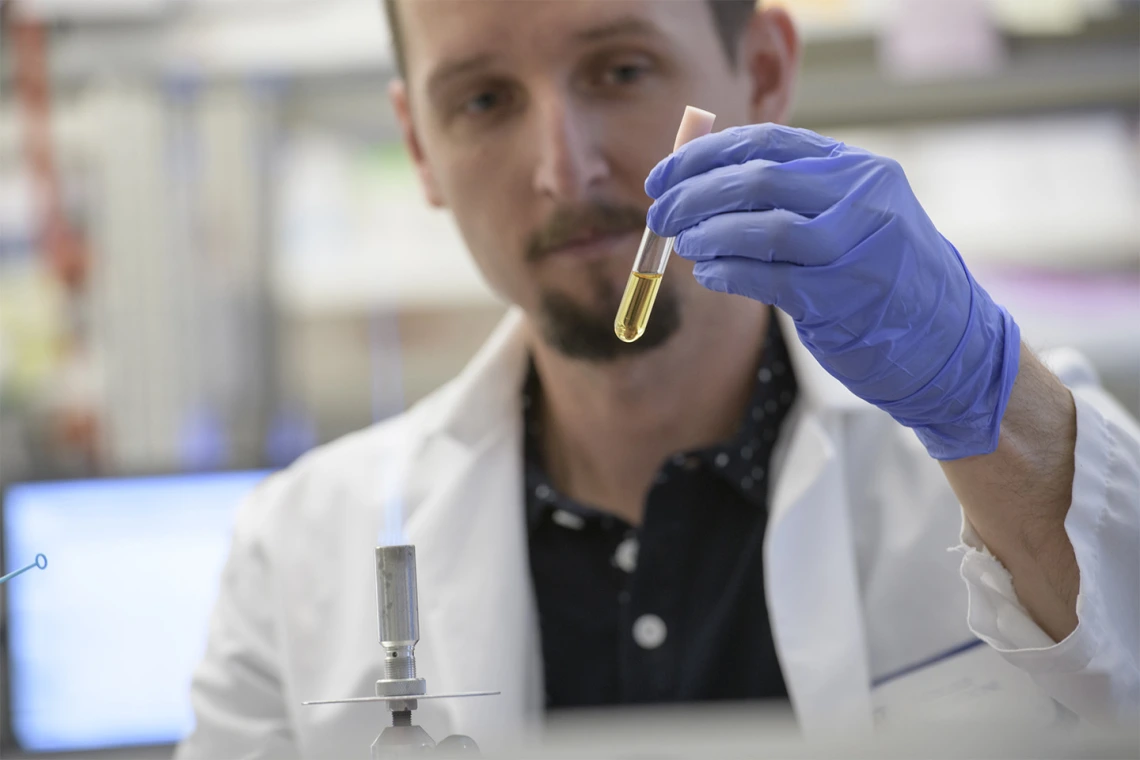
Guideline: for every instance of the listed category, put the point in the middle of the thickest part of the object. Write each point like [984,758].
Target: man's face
[537,123]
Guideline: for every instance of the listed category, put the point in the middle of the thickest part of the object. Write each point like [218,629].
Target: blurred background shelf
[1095,64]
[238,174]
[1095,67]
[268,275]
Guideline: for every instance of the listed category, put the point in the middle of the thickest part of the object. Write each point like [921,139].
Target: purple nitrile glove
[834,236]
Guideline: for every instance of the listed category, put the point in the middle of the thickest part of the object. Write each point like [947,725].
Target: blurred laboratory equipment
[401,688]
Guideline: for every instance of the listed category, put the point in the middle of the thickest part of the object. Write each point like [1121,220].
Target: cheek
[687,290]
[638,136]
[491,216]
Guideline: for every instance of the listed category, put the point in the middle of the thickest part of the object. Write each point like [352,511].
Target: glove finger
[770,283]
[737,145]
[776,236]
[807,186]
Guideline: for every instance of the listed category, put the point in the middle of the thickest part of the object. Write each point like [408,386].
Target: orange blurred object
[64,248]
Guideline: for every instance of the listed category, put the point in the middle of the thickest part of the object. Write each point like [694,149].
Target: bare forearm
[1017,497]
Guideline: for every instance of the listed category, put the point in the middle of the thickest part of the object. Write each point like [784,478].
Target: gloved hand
[834,236]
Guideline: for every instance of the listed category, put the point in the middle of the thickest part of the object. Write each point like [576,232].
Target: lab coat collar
[811,583]
[810,569]
[488,390]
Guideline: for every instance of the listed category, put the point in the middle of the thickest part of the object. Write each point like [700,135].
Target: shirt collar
[742,460]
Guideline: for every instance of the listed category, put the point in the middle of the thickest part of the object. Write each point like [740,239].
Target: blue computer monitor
[102,643]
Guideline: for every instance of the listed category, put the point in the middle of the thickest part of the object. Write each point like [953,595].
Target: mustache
[569,225]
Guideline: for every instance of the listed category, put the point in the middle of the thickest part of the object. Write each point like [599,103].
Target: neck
[608,427]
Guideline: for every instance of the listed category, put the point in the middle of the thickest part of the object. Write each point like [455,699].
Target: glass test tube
[644,282]
[654,253]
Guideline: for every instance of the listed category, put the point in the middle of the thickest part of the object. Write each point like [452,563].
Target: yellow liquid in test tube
[636,304]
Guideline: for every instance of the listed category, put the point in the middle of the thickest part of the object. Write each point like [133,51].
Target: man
[714,511]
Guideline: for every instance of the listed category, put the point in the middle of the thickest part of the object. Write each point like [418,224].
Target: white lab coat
[862,586]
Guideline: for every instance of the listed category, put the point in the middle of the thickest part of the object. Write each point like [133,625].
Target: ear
[770,56]
[398,94]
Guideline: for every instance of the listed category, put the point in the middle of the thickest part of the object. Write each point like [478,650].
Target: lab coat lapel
[474,580]
[810,570]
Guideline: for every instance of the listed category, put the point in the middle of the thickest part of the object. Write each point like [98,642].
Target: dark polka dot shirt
[672,610]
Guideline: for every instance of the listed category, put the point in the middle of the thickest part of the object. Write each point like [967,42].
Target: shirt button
[568,519]
[626,555]
[649,631]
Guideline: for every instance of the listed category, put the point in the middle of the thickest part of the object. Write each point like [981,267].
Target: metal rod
[397,603]
[398,613]
[40,562]
[401,698]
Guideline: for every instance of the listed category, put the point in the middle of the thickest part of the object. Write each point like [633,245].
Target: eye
[619,71]
[481,103]
[626,73]
[485,102]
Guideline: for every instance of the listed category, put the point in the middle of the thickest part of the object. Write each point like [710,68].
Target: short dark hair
[729,16]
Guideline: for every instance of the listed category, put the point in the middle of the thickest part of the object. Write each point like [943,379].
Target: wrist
[959,412]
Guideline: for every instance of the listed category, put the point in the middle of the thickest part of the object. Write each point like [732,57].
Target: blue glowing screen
[102,644]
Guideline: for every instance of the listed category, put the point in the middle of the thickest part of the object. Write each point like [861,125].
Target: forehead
[438,32]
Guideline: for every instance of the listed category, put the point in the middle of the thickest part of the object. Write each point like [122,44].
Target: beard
[584,329]
[586,332]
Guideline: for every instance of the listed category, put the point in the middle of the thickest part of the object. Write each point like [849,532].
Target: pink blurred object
[939,39]
[1067,295]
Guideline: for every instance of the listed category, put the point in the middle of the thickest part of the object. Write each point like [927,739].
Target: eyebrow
[619,28]
[457,68]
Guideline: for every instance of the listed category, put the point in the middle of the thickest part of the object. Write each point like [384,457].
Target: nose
[570,161]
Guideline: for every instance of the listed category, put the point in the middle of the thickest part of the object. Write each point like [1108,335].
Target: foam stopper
[695,123]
